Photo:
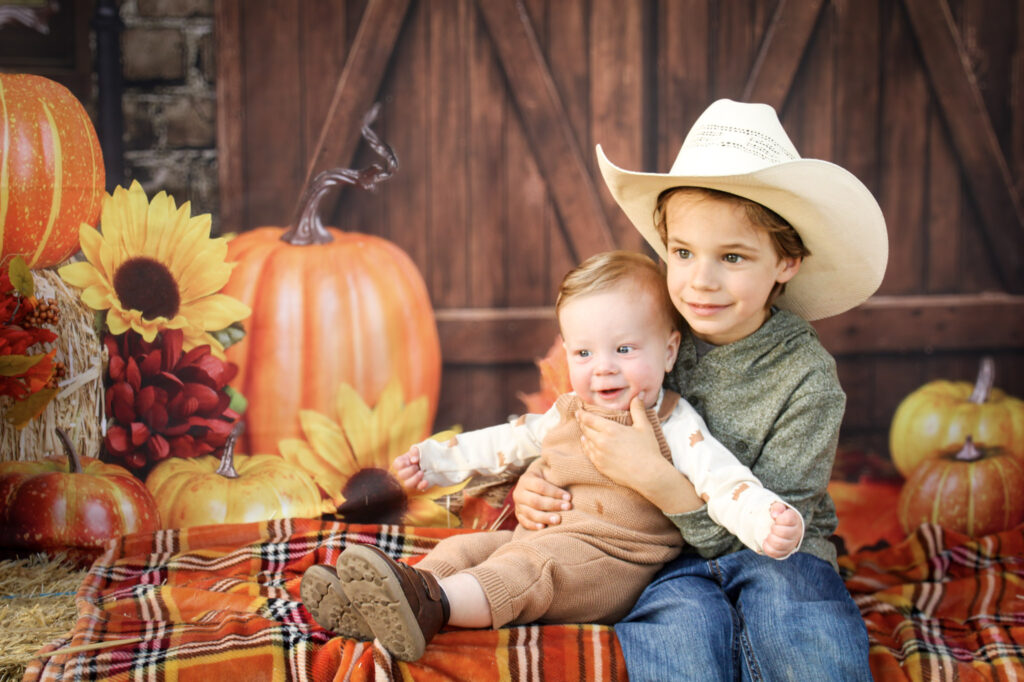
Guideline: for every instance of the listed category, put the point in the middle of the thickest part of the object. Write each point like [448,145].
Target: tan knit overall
[591,567]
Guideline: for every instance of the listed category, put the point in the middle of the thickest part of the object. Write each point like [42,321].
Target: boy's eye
[683,253]
[733,258]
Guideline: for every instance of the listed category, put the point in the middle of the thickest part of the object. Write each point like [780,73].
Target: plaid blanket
[221,602]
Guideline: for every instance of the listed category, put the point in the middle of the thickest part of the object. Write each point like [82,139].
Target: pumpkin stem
[969,452]
[983,384]
[227,457]
[74,461]
[308,229]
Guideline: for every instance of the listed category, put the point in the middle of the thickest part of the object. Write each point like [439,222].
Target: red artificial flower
[163,402]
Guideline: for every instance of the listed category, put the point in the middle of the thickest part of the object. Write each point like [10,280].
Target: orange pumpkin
[328,307]
[53,177]
[972,490]
[938,417]
[232,489]
[70,504]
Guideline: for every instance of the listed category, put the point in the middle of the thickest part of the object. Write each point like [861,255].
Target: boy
[756,240]
[620,335]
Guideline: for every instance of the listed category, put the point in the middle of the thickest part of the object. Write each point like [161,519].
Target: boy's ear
[789,268]
[672,349]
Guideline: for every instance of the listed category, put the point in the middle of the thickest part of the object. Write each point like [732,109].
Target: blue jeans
[745,617]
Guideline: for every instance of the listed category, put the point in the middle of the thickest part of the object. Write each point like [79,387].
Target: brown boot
[404,607]
[323,597]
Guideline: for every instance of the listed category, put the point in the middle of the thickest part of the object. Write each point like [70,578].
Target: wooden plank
[904,161]
[945,219]
[617,99]
[810,104]
[323,48]
[683,77]
[858,90]
[230,115]
[272,101]
[546,123]
[884,324]
[781,52]
[985,167]
[357,87]
[737,30]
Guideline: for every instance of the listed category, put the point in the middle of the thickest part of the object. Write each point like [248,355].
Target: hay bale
[37,606]
[78,406]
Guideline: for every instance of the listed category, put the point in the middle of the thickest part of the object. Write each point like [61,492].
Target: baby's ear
[672,349]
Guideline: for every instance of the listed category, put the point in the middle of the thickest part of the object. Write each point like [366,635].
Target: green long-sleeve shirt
[774,400]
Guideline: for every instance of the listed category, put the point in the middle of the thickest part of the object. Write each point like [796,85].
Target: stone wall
[170,100]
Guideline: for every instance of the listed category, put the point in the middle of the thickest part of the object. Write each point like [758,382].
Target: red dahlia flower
[163,402]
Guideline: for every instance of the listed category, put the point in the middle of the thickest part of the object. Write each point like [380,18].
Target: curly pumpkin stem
[983,384]
[227,457]
[74,461]
[308,229]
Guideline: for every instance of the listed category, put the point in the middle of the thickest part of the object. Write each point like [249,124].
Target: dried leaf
[21,277]
[24,411]
[16,365]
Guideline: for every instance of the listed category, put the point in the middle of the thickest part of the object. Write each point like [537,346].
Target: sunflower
[155,267]
[351,459]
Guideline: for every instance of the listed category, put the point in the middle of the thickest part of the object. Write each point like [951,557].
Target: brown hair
[784,237]
[608,269]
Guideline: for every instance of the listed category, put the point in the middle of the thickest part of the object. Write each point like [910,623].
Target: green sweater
[772,398]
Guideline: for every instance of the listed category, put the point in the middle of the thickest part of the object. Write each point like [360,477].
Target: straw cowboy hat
[742,149]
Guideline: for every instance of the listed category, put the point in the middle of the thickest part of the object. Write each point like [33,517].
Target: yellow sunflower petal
[81,274]
[423,512]
[117,321]
[329,442]
[98,297]
[407,428]
[90,241]
[298,452]
[356,418]
[214,312]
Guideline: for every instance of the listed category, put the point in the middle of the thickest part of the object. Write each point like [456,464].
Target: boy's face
[721,267]
[617,345]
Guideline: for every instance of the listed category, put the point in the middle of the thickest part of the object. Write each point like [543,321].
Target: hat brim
[836,216]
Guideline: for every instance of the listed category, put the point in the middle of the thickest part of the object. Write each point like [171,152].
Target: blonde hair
[784,237]
[609,269]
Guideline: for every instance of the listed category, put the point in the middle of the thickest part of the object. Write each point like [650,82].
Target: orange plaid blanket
[221,602]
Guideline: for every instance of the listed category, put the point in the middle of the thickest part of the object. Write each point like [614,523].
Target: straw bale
[37,606]
[78,406]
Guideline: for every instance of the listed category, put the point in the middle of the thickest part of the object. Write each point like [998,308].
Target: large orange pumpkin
[938,417]
[328,307]
[52,170]
[969,489]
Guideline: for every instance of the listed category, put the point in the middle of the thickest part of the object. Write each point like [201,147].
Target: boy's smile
[721,268]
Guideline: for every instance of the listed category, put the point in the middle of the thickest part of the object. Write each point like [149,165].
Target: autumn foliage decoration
[328,308]
[53,177]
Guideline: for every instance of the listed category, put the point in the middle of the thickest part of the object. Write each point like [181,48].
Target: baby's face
[617,346]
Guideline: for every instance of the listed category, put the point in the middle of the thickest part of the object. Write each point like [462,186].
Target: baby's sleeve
[485,451]
[736,499]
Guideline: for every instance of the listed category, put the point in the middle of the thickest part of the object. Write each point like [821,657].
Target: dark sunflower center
[145,284]
[373,496]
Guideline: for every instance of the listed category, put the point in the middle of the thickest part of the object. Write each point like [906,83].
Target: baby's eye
[733,258]
[624,349]
[583,353]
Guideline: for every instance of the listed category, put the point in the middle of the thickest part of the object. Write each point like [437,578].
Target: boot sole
[375,591]
[323,597]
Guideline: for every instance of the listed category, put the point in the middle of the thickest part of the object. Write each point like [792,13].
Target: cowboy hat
[742,149]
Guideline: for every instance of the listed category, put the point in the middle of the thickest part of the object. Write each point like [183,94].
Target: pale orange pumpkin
[232,489]
[53,176]
[970,489]
[937,418]
[328,307]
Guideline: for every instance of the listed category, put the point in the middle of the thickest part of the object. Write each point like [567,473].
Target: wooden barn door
[494,108]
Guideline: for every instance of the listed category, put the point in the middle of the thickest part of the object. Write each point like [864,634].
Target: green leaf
[239,403]
[99,322]
[22,412]
[16,365]
[230,335]
[21,277]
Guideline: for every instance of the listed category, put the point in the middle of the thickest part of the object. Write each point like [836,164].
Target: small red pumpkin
[73,504]
[974,490]
[328,308]
[53,176]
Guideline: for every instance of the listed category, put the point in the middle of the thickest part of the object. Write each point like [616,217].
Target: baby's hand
[785,534]
[407,468]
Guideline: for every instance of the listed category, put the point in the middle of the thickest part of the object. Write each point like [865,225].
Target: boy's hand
[407,469]
[785,534]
